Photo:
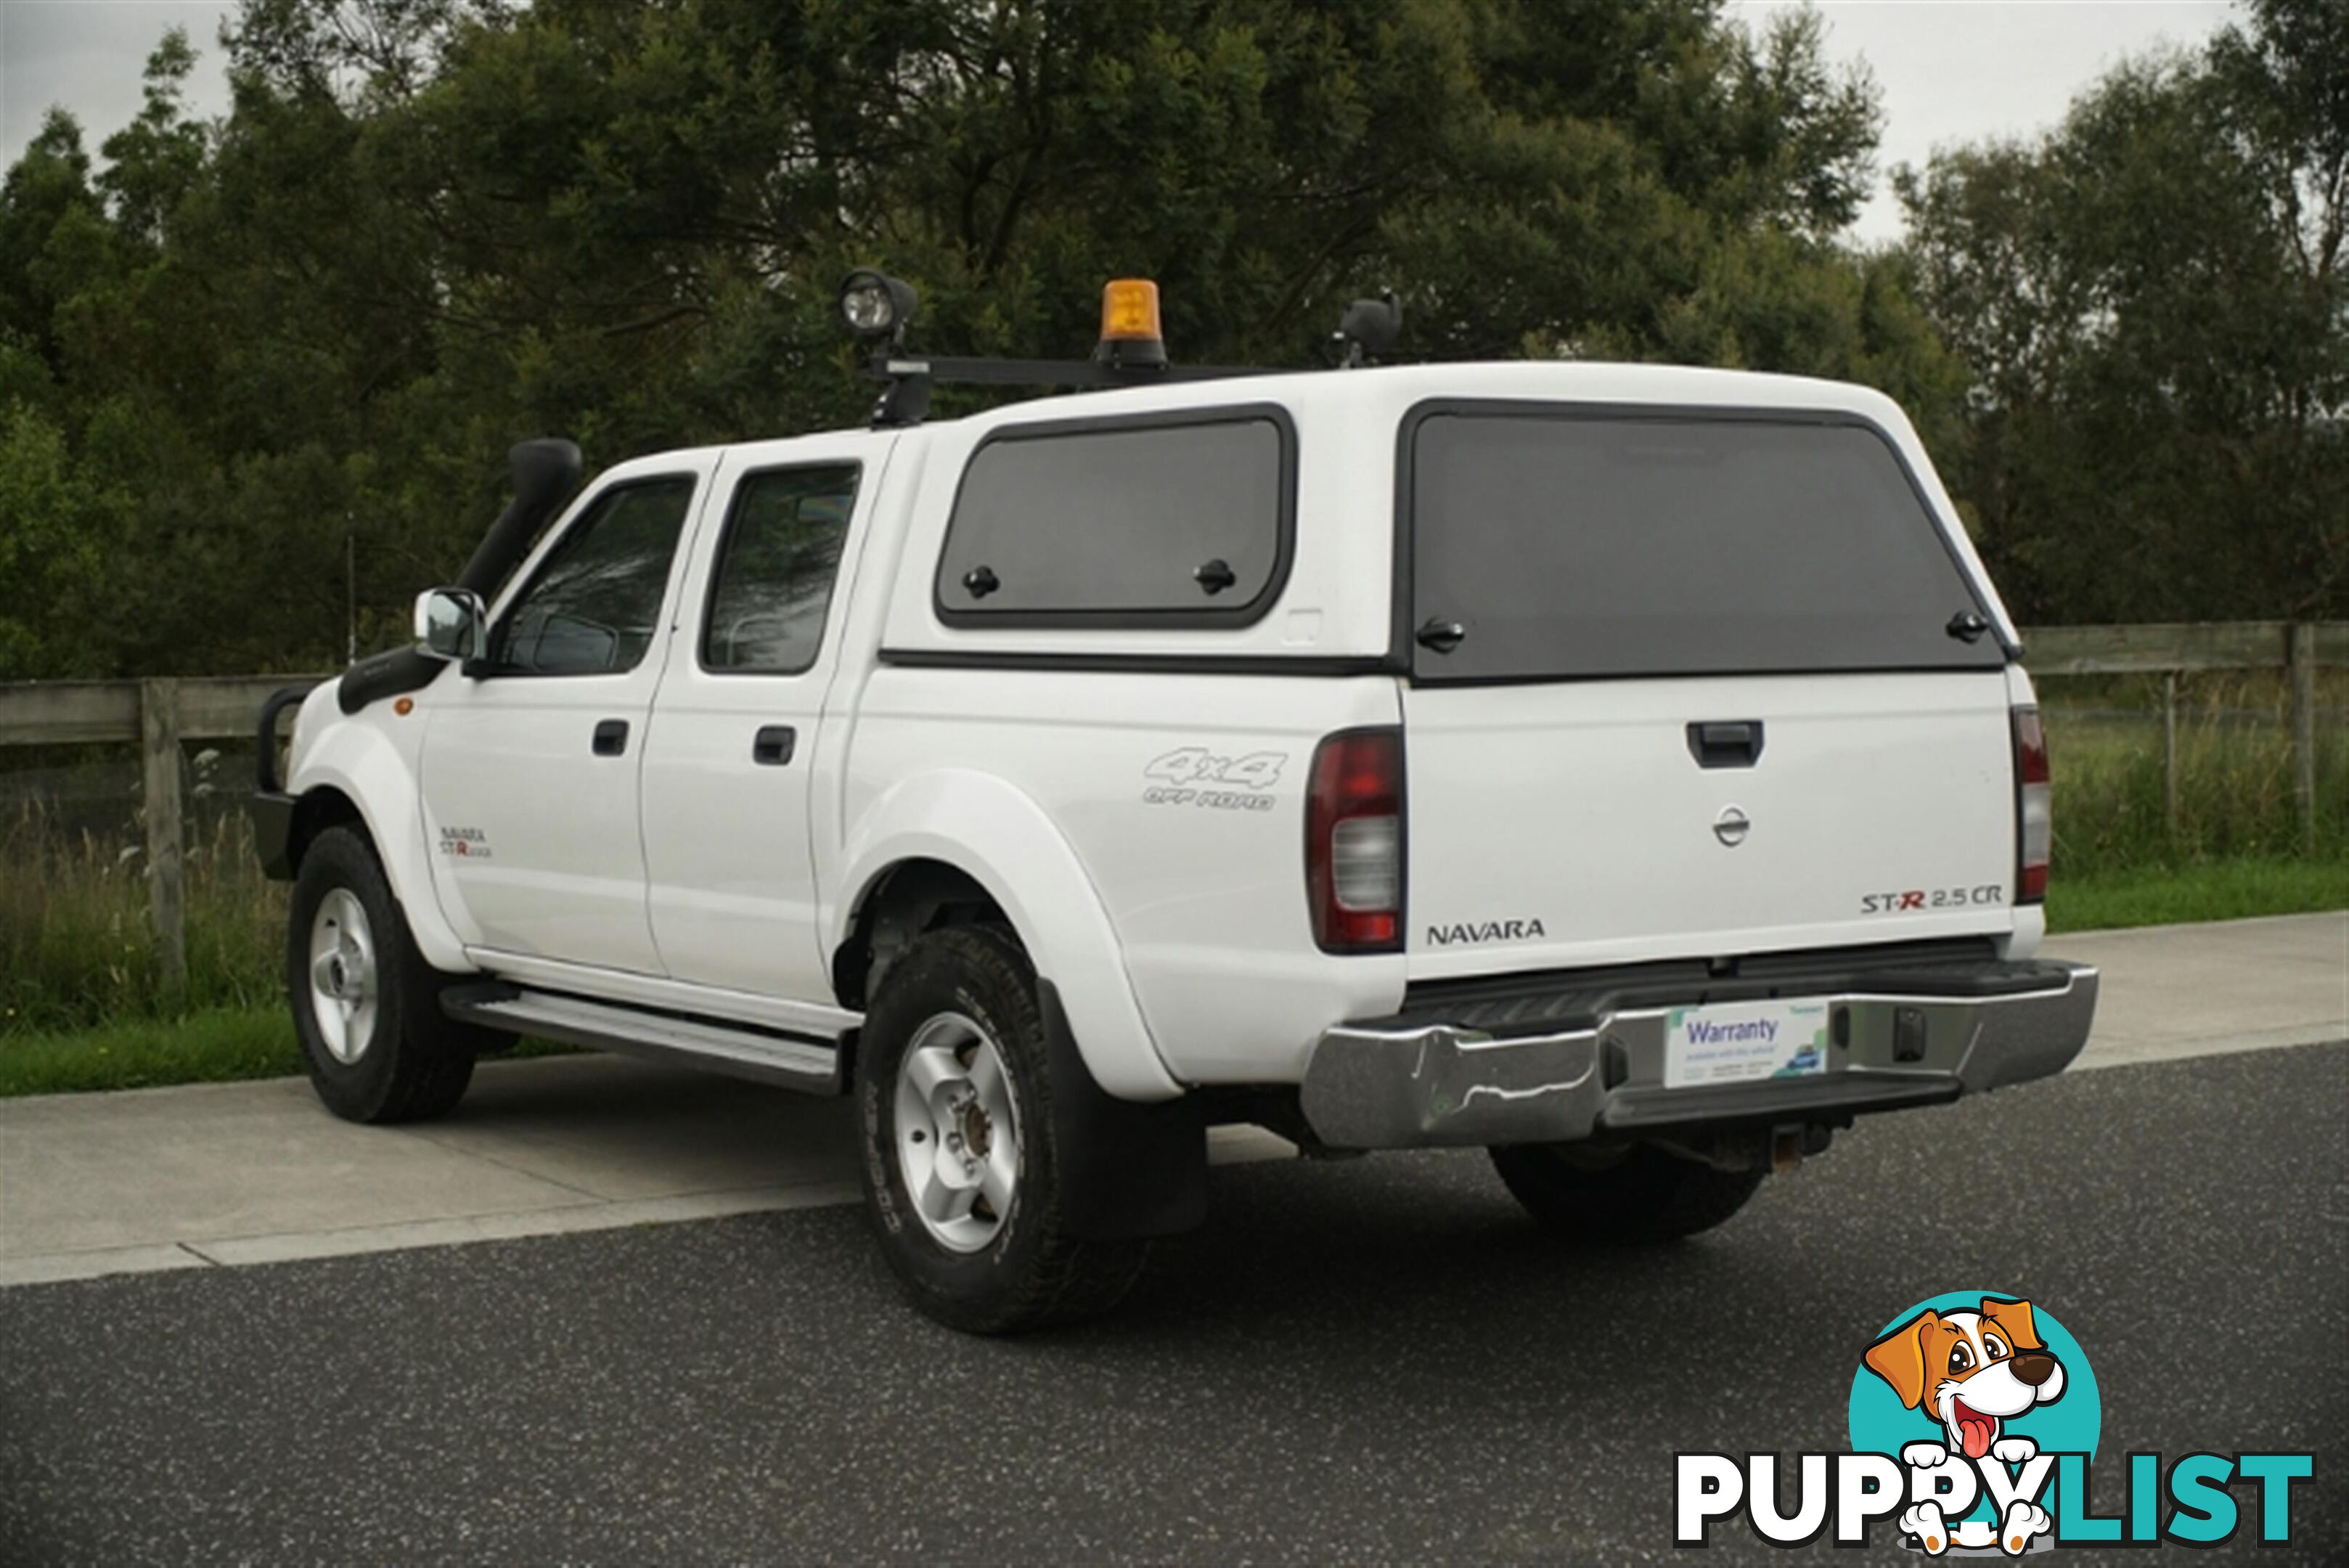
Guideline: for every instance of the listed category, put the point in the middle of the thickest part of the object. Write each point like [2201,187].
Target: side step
[741,1050]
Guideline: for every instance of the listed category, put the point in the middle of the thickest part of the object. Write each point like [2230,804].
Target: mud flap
[1127,1171]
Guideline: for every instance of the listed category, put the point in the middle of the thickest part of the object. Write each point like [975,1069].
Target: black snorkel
[546,472]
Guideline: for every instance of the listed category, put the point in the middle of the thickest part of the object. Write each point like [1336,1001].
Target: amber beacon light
[1129,330]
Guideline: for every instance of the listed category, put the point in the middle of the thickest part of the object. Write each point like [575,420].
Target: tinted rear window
[1132,525]
[772,587]
[1570,545]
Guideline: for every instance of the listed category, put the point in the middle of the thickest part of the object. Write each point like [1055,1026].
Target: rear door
[1690,684]
[734,756]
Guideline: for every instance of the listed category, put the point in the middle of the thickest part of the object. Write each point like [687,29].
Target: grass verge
[216,1045]
[76,949]
[2230,889]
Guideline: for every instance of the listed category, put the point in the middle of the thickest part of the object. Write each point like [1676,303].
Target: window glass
[595,603]
[775,571]
[1569,545]
[1184,520]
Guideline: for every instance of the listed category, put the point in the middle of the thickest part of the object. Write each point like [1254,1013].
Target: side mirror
[451,623]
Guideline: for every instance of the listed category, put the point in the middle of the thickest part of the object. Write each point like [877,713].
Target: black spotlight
[1370,327]
[875,305]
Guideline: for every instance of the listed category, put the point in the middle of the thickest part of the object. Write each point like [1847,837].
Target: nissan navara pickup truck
[1626,769]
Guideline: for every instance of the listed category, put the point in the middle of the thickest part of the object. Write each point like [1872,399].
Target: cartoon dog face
[1971,1371]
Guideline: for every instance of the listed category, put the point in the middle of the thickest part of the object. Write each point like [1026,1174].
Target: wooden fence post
[2304,730]
[158,733]
[2170,750]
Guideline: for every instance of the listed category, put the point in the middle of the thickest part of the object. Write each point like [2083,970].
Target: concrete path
[247,1173]
[2205,990]
[255,1173]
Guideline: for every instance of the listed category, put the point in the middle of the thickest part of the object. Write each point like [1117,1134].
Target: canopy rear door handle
[1736,744]
[1440,635]
[773,745]
[611,737]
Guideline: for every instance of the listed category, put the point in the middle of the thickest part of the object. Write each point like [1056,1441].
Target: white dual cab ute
[1625,768]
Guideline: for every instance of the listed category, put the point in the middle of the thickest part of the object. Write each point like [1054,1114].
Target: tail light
[2032,805]
[1354,842]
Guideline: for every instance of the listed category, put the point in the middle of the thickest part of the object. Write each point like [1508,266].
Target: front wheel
[1622,1197]
[366,1007]
[961,1179]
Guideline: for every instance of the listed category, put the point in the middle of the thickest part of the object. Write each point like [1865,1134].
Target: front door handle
[611,737]
[773,745]
[1726,745]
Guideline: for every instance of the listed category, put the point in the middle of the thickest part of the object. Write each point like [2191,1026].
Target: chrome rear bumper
[1415,1081]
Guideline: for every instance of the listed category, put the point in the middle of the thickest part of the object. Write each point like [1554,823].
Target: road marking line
[297,1245]
[49,1268]
[2141,1053]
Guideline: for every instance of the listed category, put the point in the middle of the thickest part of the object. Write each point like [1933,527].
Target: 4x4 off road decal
[1183,771]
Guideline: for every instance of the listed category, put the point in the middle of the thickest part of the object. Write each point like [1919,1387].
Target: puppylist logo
[1973,1421]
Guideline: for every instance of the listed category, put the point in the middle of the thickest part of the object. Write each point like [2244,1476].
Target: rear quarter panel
[1181,797]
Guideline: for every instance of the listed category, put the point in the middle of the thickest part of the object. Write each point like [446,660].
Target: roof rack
[1132,351]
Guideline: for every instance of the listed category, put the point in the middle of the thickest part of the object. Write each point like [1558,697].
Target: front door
[733,766]
[532,768]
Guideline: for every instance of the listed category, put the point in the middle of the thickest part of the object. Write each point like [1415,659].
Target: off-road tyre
[416,1062]
[1032,1274]
[1644,1196]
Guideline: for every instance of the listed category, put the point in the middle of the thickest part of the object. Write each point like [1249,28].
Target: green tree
[427,228]
[2152,304]
[58,531]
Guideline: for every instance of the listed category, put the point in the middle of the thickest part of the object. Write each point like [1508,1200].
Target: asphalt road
[1371,1361]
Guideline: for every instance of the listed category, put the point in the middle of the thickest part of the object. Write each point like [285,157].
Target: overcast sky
[1950,70]
[1961,70]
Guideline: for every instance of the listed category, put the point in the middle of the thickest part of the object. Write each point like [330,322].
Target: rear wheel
[1625,1195]
[366,1007]
[961,1182]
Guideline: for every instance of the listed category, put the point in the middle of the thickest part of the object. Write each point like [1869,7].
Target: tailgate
[1553,827]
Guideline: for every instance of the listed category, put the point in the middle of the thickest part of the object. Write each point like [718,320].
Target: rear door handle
[773,745]
[611,737]
[1726,745]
